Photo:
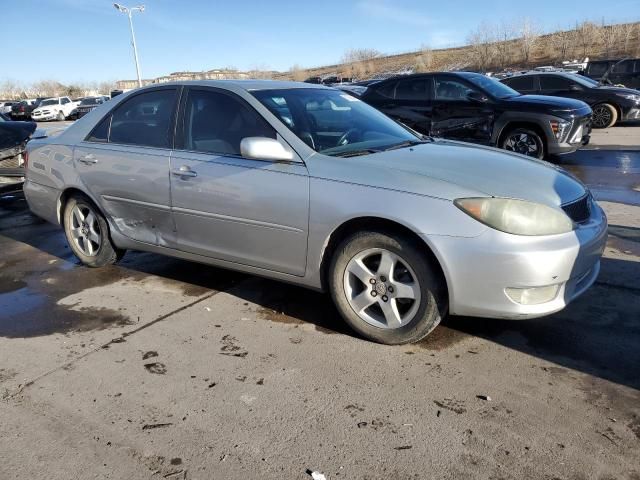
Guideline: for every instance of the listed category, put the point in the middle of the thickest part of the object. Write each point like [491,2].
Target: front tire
[60,116]
[524,141]
[87,233]
[386,288]
[604,116]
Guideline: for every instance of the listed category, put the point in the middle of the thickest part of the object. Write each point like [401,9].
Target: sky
[88,40]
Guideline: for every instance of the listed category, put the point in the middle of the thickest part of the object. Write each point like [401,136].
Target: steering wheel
[344,139]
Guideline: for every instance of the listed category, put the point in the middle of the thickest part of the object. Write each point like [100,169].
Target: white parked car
[5,107]
[57,108]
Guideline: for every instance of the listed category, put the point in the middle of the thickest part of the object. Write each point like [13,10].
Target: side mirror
[477,97]
[263,148]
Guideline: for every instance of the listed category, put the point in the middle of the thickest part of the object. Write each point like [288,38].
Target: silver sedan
[309,185]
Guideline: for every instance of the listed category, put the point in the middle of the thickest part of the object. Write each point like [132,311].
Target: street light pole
[129,12]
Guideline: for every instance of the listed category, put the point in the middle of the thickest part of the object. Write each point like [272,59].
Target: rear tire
[386,288]
[524,141]
[604,116]
[87,233]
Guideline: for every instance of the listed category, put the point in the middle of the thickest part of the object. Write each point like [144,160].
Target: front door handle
[89,159]
[184,171]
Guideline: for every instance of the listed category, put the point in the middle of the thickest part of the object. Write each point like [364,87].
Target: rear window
[625,66]
[598,68]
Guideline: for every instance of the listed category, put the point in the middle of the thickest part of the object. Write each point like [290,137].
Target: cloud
[384,11]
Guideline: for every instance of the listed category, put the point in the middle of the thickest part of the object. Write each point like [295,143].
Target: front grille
[580,210]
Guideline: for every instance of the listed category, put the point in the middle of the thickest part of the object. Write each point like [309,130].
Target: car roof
[248,85]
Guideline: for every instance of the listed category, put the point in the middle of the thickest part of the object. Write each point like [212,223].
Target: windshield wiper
[354,153]
[408,143]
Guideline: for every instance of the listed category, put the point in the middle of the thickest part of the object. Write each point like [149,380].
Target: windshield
[334,122]
[51,101]
[491,86]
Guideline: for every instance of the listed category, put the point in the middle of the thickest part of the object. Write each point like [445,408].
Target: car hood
[448,169]
[556,103]
[620,90]
[15,133]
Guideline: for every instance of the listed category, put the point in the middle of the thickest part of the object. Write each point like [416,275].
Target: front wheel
[386,288]
[604,116]
[524,141]
[60,116]
[87,233]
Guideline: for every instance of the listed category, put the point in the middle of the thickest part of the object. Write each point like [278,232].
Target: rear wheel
[524,141]
[87,233]
[604,116]
[386,288]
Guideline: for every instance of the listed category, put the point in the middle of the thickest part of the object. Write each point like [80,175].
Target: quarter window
[145,119]
[101,132]
[215,122]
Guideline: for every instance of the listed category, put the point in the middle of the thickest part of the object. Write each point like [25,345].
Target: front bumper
[43,117]
[478,270]
[630,114]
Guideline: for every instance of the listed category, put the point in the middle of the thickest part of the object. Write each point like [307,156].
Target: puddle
[10,285]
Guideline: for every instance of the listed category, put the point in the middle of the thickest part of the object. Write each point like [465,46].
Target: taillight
[22,108]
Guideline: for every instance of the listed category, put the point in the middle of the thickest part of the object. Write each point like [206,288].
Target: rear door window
[625,66]
[552,83]
[412,89]
[598,68]
[145,119]
[523,84]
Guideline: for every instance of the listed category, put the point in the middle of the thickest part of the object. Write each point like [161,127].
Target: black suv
[616,72]
[609,104]
[476,108]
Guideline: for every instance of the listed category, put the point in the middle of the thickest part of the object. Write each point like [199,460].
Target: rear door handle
[89,159]
[184,171]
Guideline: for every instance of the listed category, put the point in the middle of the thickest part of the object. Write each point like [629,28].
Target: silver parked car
[309,185]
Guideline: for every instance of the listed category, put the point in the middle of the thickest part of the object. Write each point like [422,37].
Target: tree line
[15,90]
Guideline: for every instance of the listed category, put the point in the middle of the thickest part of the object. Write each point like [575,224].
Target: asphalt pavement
[161,368]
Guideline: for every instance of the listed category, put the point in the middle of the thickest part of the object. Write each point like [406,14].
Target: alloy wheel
[85,230]
[522,143]
[382,288]
[601,117]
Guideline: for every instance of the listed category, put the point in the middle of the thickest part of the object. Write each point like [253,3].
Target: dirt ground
[160,368]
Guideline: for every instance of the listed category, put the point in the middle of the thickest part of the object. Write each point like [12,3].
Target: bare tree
[586,36]
[297,73]
[562,43]
[529,36]
[609,36]
[504,36]
[355,55]
[10,89]
[627,31]
[482,44]
[424,59]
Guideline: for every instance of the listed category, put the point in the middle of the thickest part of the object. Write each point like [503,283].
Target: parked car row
[54,108]
[13,140]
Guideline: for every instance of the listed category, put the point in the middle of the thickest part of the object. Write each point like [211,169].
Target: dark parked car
[86,105]
[478,109]
[23,110]
[616,72]
[13,140]
[610,104]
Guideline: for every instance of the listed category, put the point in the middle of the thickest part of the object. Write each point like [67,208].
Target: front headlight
[634,97]
[518,217]
[560,129]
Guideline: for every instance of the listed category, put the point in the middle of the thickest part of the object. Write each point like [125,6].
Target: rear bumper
[42,200]
[480,270]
